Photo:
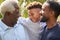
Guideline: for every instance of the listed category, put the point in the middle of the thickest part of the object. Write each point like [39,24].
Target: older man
[9,30]
[50,12]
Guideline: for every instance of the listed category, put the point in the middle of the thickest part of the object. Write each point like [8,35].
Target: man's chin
[43,19]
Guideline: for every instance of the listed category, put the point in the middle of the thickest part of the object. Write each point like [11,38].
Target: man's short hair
[34,5]
[55,6]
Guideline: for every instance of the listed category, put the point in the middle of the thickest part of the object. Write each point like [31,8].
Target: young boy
[32,24]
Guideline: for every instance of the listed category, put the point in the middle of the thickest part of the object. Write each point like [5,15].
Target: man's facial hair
[44,19]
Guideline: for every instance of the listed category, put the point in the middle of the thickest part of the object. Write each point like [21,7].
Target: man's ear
[52,13]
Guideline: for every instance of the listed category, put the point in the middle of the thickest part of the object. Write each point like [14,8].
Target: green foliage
[0,16]
[1,1]
[23,4]
[25,14]
[59,18]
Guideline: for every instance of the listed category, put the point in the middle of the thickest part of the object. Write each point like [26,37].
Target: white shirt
[12,33]
[34,29]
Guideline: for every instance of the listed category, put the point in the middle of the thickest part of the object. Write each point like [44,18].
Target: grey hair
[7,6]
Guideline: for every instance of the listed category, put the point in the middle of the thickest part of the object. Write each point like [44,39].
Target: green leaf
[1,1]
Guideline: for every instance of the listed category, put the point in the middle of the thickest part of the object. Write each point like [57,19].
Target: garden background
[24,3]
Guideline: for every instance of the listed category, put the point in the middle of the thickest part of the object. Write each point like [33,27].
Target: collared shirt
[12,33]
[34,29]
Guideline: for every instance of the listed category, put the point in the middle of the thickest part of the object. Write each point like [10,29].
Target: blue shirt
[12,33]
[51,34]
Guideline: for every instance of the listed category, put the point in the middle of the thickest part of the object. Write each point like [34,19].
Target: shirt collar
[3,26]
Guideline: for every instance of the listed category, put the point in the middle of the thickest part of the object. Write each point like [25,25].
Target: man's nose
[41,12]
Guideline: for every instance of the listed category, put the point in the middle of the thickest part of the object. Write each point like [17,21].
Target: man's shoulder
[58,27]
[54,33]
[23,20]
[1,28]
[1,24]
[56,30]
[43,24]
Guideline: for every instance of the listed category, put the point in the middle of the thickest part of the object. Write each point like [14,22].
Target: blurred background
[24,3]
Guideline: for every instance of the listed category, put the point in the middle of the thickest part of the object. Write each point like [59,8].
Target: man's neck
[51,24]
[8,22]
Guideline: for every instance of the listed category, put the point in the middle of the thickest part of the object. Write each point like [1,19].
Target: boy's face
[34,14]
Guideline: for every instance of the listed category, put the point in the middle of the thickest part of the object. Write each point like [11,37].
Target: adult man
[32,24]
[9,30]
[50,11]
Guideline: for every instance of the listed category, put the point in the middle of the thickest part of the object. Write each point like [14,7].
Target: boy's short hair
[34,5]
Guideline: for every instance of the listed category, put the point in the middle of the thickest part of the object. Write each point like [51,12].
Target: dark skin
[50,16]
[10,19]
